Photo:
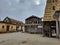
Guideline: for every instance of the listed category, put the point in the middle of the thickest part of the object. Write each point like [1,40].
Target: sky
[21,9]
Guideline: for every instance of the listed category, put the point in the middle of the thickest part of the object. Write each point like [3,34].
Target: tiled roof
[33,17]
[14,21]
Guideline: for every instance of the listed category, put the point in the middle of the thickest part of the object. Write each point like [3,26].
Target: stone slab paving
[19,38]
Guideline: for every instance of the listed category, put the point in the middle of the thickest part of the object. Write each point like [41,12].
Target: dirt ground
[19,38]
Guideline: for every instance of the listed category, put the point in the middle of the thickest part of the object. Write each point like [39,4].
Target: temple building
[49,22]
[33,24]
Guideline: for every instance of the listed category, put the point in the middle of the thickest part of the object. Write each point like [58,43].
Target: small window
[56,0]
[11,27]
[53,7]
[53,1]
[3,26]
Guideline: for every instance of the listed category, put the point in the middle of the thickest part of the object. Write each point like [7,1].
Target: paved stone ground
[19,38]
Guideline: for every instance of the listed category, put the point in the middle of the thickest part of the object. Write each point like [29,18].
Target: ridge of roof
[16,21]
[33,16]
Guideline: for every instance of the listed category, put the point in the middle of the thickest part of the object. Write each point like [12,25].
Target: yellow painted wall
[2,29]
[12,28]
[5,27]
[23,28]
[19,28]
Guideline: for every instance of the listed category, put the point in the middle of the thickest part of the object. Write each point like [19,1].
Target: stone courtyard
[19,38]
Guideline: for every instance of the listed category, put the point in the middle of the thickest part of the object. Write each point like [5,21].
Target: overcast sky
[21,9]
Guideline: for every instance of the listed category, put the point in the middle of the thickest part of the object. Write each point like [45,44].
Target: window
[56,0]
[53,1]
[6,20]
[53,7]
[3,26]
[11,27]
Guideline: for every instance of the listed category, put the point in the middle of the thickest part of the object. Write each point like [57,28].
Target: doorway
[7,28]
[53,28]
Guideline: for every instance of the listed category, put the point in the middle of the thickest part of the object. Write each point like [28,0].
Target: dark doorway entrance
[7,28]
[53,28]
[49,28]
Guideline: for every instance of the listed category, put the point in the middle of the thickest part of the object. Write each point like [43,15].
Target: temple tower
[50,9]
[49,22]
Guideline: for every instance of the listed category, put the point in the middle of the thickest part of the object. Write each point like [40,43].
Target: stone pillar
[59,24]
[23,28]
[57,29]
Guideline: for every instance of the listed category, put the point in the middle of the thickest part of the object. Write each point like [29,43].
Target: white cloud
[18,8]
[9,3]
[37,2]
[17,1]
